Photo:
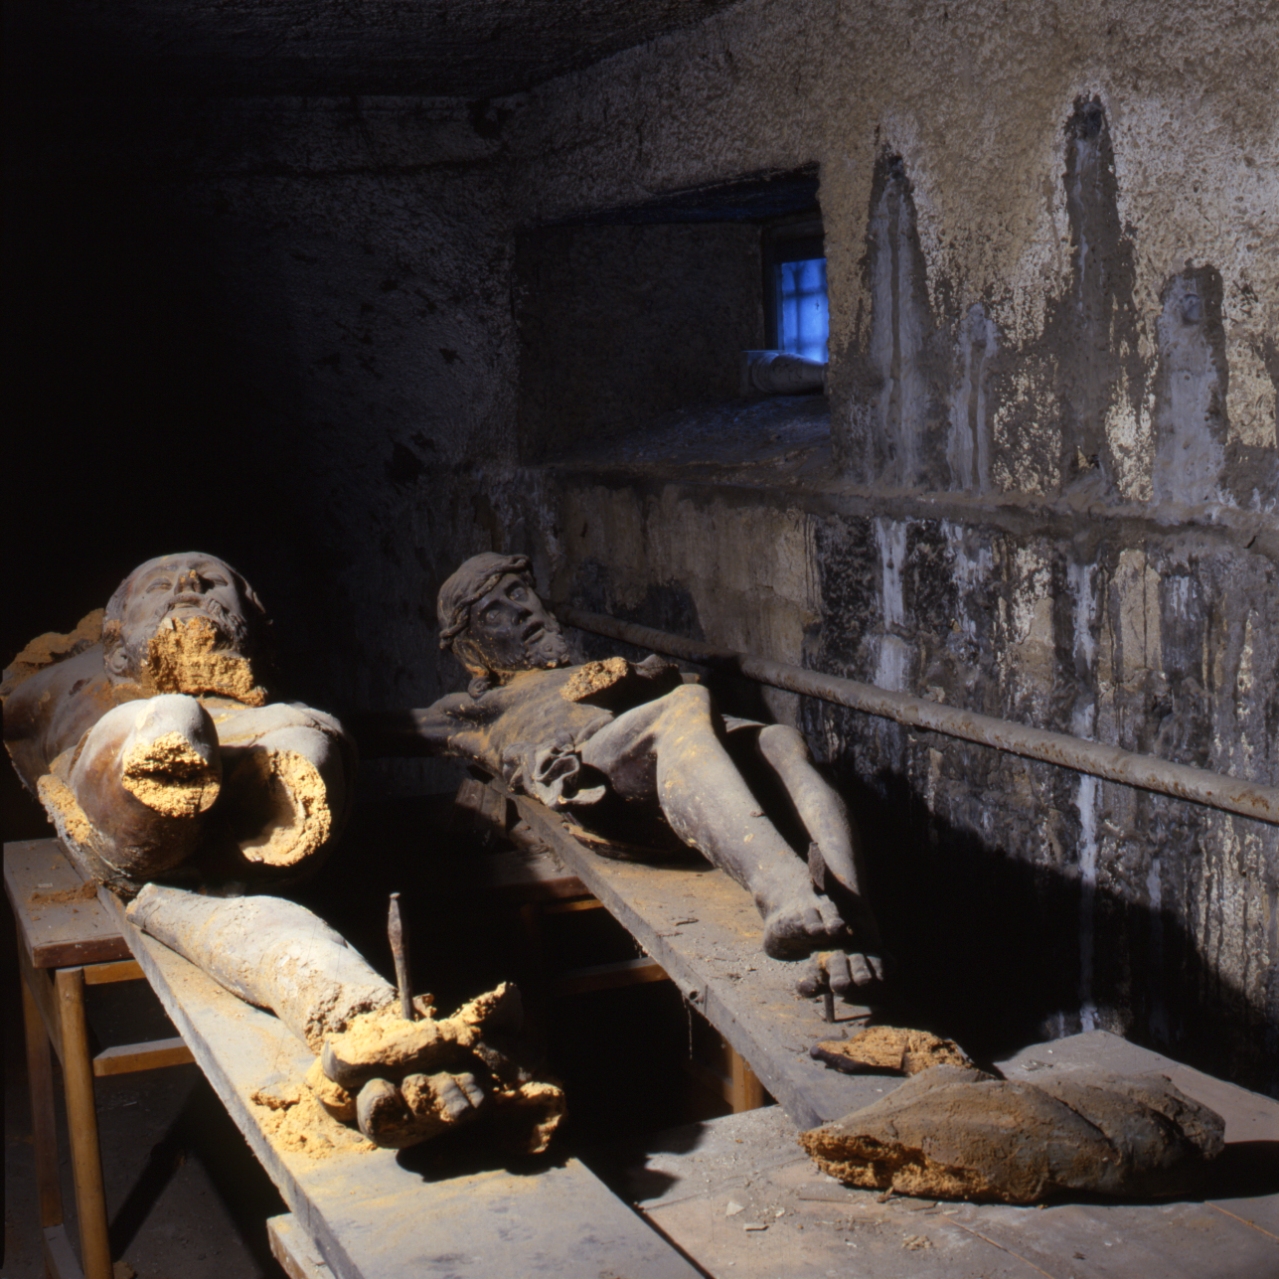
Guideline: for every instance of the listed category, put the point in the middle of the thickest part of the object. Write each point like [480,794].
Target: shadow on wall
[994,951]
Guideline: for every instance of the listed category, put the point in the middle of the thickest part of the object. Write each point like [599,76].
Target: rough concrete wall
[621,323]
[1054,168]
[1051,237]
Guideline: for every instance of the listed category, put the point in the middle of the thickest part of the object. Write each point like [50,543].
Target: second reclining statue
[571,734]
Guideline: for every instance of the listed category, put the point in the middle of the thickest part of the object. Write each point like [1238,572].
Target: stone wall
[1053,486]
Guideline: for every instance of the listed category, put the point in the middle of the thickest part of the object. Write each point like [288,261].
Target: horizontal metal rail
[1198,785]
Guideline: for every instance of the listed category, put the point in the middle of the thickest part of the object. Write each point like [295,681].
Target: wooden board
[368,1214]
[704,930]
[293,1250]
[704,1184]
[57,933]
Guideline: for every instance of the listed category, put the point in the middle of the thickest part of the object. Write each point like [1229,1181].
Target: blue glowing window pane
[803,317]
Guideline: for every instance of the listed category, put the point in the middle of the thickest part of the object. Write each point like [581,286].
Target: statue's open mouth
[230,626]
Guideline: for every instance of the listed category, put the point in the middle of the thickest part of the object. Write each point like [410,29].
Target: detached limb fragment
[401,1081]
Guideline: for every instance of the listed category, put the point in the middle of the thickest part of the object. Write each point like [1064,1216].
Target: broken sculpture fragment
[150,737]
[959,1133]
[401,1081]
[151,740]
[890,1049]
[569,735]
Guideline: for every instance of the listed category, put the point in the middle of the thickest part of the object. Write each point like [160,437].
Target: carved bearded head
[493,621]
[186,623]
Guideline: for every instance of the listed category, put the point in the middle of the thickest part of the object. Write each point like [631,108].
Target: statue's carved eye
[160,584]
[493,613]
[518,593]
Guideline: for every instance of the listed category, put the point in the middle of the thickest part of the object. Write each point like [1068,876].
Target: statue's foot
[382,1045]
[797,919]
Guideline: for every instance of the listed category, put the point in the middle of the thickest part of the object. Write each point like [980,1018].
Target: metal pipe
[1197,785]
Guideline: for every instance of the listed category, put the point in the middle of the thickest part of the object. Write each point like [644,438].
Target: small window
[795,268]
[803,318]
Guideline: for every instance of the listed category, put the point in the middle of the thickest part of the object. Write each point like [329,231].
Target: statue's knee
[688,699]
[779,741]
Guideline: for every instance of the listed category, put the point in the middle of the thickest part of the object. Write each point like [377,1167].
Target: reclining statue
[150,739]
[569,735]
[149,736]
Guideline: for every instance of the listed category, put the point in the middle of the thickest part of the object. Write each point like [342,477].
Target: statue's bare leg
[401,1081]
[669,748]
[829,825]
[285,784]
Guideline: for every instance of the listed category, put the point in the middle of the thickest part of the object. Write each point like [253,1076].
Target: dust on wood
[294,1121]
[88,891]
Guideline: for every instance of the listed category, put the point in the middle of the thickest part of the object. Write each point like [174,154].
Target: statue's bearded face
[509,629]
[175,590]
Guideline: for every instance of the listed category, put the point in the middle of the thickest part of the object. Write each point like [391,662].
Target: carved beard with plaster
[196,646]
[545,647]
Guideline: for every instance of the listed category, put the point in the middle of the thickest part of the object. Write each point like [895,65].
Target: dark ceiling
[456,48]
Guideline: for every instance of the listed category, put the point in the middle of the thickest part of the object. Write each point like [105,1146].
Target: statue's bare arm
[139,788]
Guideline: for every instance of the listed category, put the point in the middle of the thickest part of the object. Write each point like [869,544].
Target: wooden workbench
[740,1196]
[704,930]
[366,1213]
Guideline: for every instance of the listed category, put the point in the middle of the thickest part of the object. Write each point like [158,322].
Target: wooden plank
[740,1195]
[704,1184]
[82,1125]
[569,907]
[118,970]
[39,984]
[369,1214]
[704,931]
[624,972]
[124,1059]
[526,876]
[745,1092]
[296,1254]
[59,919]
[44,1127]
[59,1259]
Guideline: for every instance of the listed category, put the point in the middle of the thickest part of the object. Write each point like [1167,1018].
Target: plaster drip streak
[1086,802]
[1145,772]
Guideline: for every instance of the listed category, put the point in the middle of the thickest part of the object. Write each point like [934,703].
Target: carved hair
[479,575]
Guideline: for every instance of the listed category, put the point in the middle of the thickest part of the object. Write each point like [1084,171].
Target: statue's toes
[383,1116]
[799,927]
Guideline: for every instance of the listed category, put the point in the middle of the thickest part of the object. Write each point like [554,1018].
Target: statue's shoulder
[45,654]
